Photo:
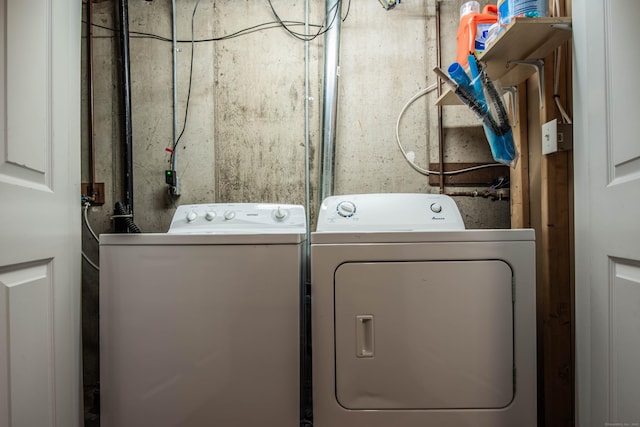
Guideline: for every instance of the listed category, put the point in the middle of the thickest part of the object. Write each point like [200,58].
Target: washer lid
[427,335]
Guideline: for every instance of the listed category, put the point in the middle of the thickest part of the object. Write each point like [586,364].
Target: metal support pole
[330,96]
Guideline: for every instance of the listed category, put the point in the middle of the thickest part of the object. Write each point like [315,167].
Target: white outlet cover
[550,137]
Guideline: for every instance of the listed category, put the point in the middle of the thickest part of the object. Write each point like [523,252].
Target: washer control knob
[280,214]
[191,216]
[229,215]
[346,209]
[210,215]
[436,207]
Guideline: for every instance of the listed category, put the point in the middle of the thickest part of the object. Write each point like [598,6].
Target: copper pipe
[439,91]
[500,194]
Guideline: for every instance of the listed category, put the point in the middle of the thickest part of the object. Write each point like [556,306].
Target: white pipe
[175,84]
[307,165]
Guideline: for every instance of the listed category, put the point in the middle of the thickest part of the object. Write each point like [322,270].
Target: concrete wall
[245,132]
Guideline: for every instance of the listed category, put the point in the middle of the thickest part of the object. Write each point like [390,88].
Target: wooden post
[554,274]
[520,217]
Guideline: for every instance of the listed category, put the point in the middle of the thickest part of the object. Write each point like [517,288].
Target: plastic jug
[474,29]
[504,15]
[529,8]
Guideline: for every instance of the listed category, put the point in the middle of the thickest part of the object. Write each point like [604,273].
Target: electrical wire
[556,84]
[423,171]
[323,28]
[242,32]
[186,109]
[348,9]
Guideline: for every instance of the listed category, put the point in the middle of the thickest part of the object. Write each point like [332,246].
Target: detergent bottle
[504,15]
[474,29]
[529,8]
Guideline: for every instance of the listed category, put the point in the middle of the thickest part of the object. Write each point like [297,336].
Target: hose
[404,152]
[91,263]
[93,234]
[86,222]
[131,226]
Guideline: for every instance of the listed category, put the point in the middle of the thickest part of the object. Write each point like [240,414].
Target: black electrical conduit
[124,211]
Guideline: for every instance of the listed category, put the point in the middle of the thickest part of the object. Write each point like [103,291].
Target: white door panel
[28,94]
[622,81]
[625,341]
[607,166]
[40,220]
[26,294]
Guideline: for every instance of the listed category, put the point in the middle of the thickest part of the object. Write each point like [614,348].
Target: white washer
[200,326]
[418,322]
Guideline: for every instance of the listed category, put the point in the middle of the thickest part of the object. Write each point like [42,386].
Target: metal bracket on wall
[538,64]
[513,92]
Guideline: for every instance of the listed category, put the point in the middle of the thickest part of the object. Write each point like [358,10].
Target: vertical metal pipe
[125,81]
[307,130]
[330,95]
[175,83]
[306,412]
[91,150]
[440,126]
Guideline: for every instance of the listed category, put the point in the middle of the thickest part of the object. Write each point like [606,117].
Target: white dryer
[418,322]
[200,326]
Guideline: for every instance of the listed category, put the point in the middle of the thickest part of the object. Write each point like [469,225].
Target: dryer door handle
[364,335]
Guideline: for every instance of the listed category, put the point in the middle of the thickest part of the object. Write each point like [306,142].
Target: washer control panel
[238,218]
[389,212]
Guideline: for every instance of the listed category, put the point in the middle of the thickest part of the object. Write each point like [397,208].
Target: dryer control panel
[389,212]
[238,218]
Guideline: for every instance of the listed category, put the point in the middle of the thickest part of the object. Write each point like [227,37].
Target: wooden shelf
[523,39]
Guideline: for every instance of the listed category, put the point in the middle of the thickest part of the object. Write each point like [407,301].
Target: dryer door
[424,335]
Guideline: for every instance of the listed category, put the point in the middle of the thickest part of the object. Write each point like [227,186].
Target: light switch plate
[556,137]
[550,137]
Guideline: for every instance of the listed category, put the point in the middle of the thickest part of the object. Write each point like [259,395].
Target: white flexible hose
[86,223]
[91,263]
[556,85]
[404,153]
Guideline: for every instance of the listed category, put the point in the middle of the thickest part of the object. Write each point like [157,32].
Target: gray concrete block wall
[260,104]
[383,64]
[245,134]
